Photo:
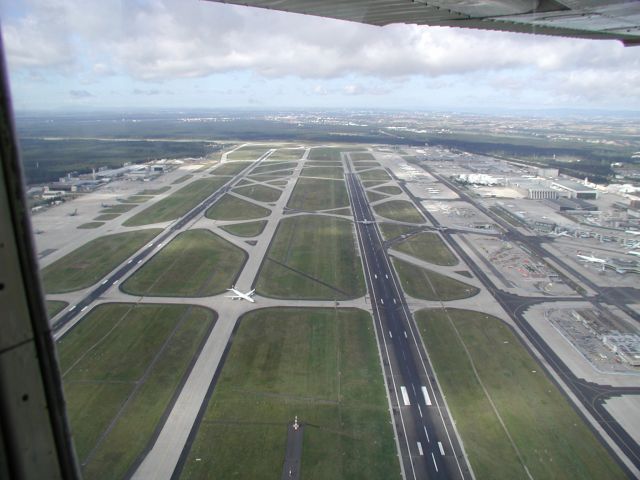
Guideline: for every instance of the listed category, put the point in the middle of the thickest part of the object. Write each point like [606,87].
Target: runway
[428,444]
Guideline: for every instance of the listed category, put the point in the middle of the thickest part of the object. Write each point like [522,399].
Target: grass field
[183,178]
[341,211]
[250,229]
[317,259]
[360,165]
[178,203]
[322,163]
[287,154]
[261,193]
[278,183]
[429,247]
[54,307]
[86,265]
[360,156]
[319,364]
[270,167]
[121,366]
[263,177]
[318,194]
[229,168]
[376,174]
[392,230]
[106,217]
[154,191]
[137,199]
[197,263]
[250,152]
[234,208]
[121,208]
[375,196]
[326,172]
[428,285]
[399,210]
[373,183]
[325,153]
[90,225]
[390,189]
[552,439]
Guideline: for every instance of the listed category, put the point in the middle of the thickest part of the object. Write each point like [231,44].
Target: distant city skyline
[72,55]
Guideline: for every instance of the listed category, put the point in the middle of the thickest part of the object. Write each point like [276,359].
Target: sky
[182,54]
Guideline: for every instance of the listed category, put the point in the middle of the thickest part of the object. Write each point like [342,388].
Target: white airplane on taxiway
[238,295]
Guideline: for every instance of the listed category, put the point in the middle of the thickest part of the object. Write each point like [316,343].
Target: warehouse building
[574,189]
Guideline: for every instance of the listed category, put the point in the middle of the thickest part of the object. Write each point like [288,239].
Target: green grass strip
[317,194]
[229,168]
[261,193]
[429,285]
[181,179]
[319,364]
[196,263]
[326,172]
[121,208]
[154,191]
[399,210]
[321,258]
[88,264]
[121,367]
[178,203]
[427,246]
[54,307]
[230,207]
[551,440]
[376,175]
[249,229]
[90,225]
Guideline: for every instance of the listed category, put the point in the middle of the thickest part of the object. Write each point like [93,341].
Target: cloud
[33,43]
[350,89]
[80,94]
[165,40]
[152,91]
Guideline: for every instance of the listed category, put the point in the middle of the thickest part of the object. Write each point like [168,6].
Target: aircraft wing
[595,19]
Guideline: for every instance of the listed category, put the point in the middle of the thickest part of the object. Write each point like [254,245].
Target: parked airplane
[560,234]
[591,259]
[238,295]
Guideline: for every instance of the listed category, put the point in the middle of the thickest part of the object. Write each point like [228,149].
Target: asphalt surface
[591,395]
[146,252]
[293,455]
[428,444]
